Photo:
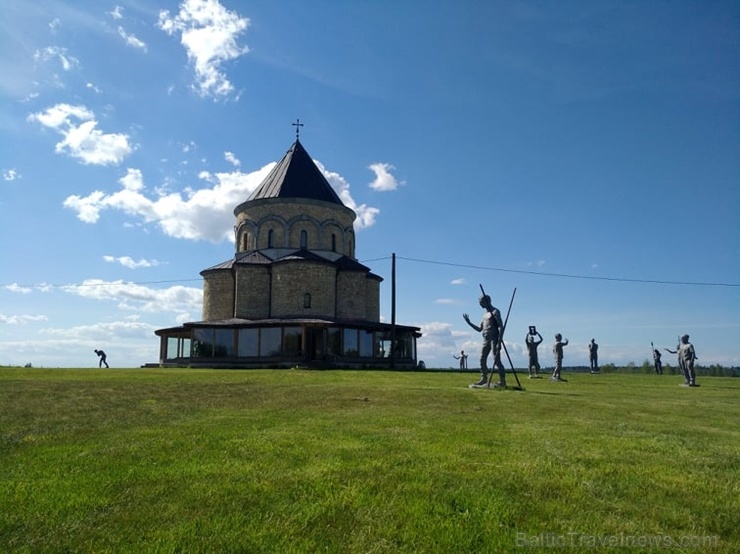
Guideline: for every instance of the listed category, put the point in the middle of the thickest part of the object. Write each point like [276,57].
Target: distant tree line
[714,370]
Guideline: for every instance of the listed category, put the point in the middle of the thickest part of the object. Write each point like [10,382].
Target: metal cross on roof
[297,126]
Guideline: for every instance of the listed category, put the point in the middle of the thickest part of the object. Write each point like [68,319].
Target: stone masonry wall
[351,295]
[218,294]
[372,299]
[252,292]
[288,217]
[292,280]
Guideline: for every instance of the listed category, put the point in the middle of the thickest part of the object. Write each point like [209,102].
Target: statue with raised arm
[657,364]
[686,357]
[593,356]
[533,340]
[557,351]
[492,330]
[463,357]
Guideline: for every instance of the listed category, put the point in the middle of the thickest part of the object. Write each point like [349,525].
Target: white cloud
[127,261]
[437,344]
[202,214]
[10,174]
[208,31]
[83,140]
[384,181]
[131,40]
[21,319]
[183,318]
[232,159]
[127,342]
[365,214]
[131,296]
[15,287]
[446,301]
[133,180]
[54,24]
[87,208]
[459,281]
[92,87]
[117,13]
[113,331]
[56,53]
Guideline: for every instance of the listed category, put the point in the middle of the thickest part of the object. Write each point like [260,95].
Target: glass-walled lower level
[288,345]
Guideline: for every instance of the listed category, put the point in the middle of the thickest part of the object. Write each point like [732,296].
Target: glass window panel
[202,343]
[248,342]
[292,341]
[404,345]
[366,344]
[350,342]
[172,344]
[384,344]
[223,343]
[334,341]
[271,341]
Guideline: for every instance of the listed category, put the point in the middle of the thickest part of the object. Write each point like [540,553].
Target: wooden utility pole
[393,311]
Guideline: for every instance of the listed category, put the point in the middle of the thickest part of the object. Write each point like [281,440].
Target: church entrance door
[315,344]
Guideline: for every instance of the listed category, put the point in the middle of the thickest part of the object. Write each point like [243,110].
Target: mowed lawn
[364,461]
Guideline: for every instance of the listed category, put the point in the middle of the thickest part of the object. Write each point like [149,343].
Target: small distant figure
[686,358]
[593,356]
[557,350]
[492,329]
[102,357]
[656,362]
[463,357]
[533,340]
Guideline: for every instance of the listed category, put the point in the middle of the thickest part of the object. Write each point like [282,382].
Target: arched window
[351,252]
[245,242]
[307,300]
[270,238]
[304,240]
[333,242]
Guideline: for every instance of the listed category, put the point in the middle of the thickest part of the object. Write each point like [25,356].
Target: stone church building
[294,293]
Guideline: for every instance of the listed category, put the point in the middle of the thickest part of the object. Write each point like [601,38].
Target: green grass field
[351,461]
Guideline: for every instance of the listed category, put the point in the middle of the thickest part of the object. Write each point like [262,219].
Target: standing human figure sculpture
[492,330]
[533,340]
[463,357]
[102,357]
[557,350]
[593,356]
[656,362]
[686,357]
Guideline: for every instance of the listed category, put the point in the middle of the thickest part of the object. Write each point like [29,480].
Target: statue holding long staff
[492,331]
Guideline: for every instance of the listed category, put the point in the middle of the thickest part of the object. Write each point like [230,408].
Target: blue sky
[585,153]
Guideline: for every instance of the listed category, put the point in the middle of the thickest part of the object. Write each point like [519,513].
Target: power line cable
[418,260]
[572,276]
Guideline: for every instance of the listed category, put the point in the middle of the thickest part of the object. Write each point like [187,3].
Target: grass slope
[349,461]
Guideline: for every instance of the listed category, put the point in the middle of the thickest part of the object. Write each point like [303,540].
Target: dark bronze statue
[686,357]
[533,340]
[557,350]
[492,330]
[593,356]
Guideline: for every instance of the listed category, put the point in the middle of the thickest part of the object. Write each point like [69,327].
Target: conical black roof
[296,176]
